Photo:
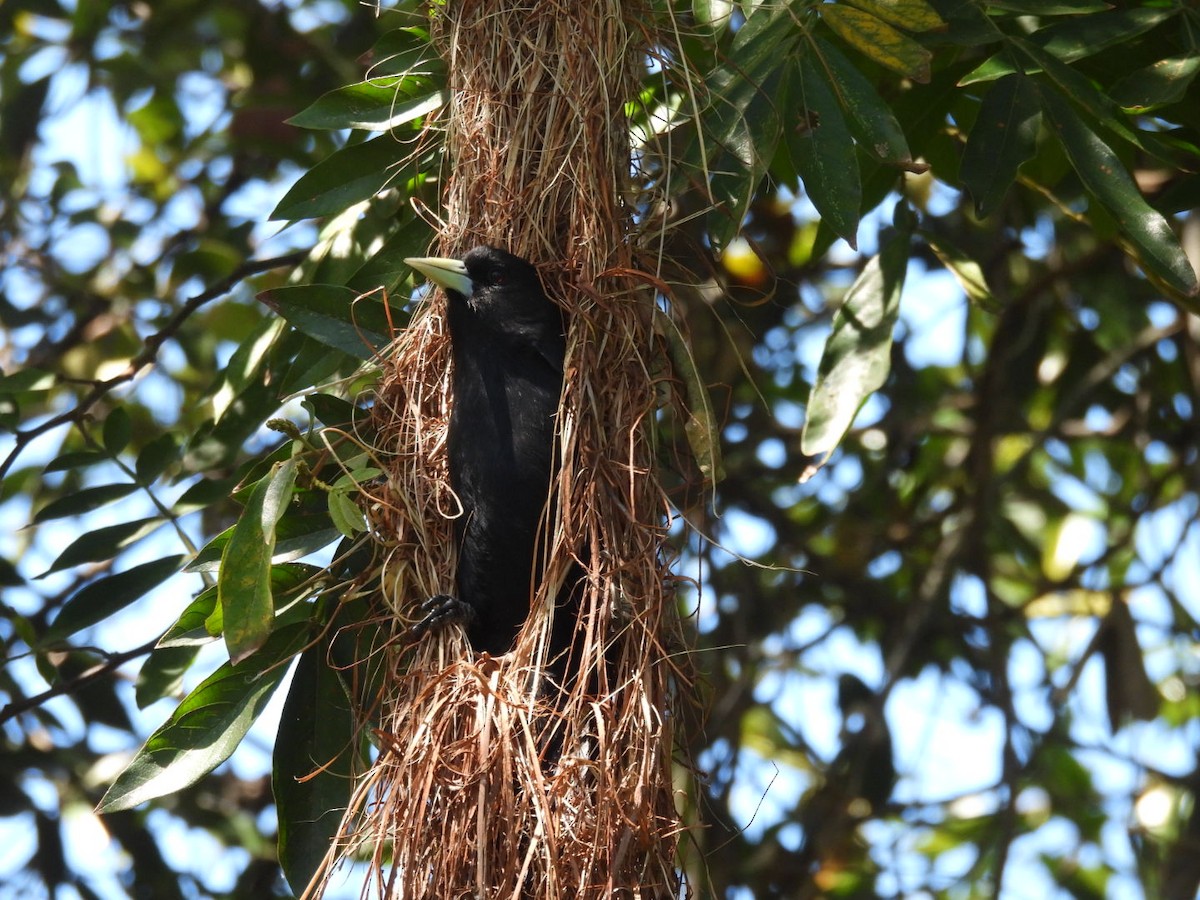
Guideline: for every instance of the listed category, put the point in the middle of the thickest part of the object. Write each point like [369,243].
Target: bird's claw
[437,611]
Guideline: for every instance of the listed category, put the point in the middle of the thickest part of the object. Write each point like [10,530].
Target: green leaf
[377,105]
[1003,137]
[1084,94]
[76,459]
[703,435]
[870,119]
[330,410]
[822,150]
[244,582]
[1161,84]
[101,544]
[965,270]
[1082,36]
[206,727]
[313,769]
[118,429]
[877,40]
[336,316]
[1076,38]
[404,51]
[190,629]
[162,674]
[346,514]
[155,457]
[83,501]
[350,175]
[1051,7]
[713,15]
[98,600]
[857,355]
[1103,174]
[386,268]
[911,15]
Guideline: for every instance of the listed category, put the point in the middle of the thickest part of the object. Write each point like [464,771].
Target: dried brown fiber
[460,802]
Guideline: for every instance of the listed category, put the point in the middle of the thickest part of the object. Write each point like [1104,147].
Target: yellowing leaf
[911,15]
[875,38]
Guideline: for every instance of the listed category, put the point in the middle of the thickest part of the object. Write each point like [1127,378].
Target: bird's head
[494,283]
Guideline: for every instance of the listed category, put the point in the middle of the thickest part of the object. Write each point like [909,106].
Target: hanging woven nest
[486,784]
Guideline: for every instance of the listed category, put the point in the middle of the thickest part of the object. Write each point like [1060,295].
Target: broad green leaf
[161,675]
[83,501]
[1082,36]
[313,769]
[700,429]
[386,268]
[741,125]
[206,727]
[118,429]
[870,119]
[713,14]
[96,601]
[1077,38]
[1051,7]
[155,457]
[101,544]
[330,410]
[403,51]
[336,316]
[911,15]
[189,629]
[352,174]
[1082,92]
[345,512]
[75,459]
[1103,174]
[370,106]
[878,40]
[244,582]
[857,355]
[822,150]
[1161,84]
[296,535]
[1003,137]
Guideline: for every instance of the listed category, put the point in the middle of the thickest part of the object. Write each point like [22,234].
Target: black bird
[507,343]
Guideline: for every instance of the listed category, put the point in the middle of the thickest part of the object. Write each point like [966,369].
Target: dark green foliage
[1010,524]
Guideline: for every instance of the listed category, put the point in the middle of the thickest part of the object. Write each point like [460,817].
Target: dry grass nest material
[464,799]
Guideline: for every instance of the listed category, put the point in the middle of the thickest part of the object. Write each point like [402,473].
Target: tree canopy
[934,264]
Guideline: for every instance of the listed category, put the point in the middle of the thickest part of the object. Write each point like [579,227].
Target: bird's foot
[437,611]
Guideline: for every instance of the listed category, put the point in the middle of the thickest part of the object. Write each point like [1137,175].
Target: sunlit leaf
[877,40]
[244,581]
[83,501]
[98,600]
[103,543]
[911,15]
[857,355]
[206,727]
[1160,84]
[350,175]
[357,324]
[1105,176]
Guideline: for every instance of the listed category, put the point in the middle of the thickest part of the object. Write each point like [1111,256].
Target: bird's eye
[498,277]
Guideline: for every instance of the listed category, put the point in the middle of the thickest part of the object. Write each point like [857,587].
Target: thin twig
[149,352]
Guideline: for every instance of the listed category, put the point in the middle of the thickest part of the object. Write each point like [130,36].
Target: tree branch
[149,352]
